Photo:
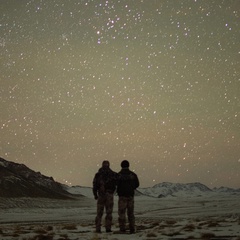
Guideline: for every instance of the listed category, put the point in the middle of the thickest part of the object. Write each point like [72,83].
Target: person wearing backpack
[104,186]
[127,183]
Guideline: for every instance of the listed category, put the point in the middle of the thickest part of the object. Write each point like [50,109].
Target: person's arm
[95,188]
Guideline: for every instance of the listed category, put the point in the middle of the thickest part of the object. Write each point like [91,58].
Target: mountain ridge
[17,180]
[166,189]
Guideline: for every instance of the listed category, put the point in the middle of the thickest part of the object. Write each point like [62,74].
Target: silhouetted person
[127,183]
[104,185]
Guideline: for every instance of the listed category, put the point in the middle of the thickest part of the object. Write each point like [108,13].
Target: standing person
[104,185]
[127,183]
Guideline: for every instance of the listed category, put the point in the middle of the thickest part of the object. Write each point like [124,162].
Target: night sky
[156,82]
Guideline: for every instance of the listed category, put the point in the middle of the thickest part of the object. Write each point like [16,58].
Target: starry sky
[156,82]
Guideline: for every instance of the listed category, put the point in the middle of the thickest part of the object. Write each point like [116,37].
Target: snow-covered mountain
[79,190]
[17,180]
[165,189]
[175,189]
[226,190]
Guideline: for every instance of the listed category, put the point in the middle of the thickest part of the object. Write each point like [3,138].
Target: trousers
[104,202]
[126,204]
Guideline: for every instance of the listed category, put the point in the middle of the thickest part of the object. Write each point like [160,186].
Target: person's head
[105,164]
[125,164]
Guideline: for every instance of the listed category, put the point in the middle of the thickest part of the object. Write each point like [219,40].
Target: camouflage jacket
[105,181]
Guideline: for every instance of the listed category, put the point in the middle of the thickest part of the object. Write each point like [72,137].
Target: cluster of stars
[154,82]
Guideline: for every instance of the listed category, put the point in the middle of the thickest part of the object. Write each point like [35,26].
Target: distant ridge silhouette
[17,180]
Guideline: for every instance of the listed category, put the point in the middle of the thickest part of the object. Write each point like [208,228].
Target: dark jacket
[127,183]
[105,181]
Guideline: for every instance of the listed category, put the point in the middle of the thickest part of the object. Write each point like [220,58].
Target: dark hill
[17,180]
